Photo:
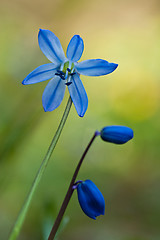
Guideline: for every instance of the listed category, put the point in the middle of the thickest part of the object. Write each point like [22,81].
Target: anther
[71,74]
[68,83]
[63,78]
[60,75]
[61,72]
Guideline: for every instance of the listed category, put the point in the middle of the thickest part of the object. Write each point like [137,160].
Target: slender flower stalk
[70,191]
[21,217]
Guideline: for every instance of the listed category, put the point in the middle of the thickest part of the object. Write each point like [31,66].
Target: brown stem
[70,191]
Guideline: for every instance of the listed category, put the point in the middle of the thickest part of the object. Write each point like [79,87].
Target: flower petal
[41,73]
[53,94]
[95,67]
[75,48]
[117,134]
[51,46]
[91,199]
[78,95]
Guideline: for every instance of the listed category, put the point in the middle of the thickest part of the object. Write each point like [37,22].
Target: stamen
[68,83]
[62,66]
[61,72]
[63,78]
[71,74]
[68,69]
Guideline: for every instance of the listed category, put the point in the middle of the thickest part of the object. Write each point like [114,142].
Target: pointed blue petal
[41,73]
[75,48]
[82,198]
[91,199]
[51,46]
[95,67]
[78,95]
[96,196]
[53,94]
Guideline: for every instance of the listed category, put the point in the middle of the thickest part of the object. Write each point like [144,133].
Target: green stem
[20,219]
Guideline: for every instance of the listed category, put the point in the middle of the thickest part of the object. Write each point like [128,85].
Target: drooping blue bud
[117,134]
[90,199]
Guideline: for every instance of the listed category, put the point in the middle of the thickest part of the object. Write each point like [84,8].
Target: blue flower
[116,134]
[90,199]
[65,71]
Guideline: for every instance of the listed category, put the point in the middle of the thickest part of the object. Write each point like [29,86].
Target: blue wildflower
[65,71]
[116,134]
[90,199]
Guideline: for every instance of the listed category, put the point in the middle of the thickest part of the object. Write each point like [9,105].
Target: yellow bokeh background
[124,32]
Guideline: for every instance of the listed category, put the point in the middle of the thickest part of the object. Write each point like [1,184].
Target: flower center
[66,71]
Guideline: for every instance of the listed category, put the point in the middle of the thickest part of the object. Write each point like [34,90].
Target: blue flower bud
[90,199]
[116,134]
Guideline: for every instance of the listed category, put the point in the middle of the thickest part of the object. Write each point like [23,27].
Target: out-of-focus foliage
[124,32]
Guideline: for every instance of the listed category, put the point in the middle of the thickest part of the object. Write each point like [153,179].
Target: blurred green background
[120,31]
